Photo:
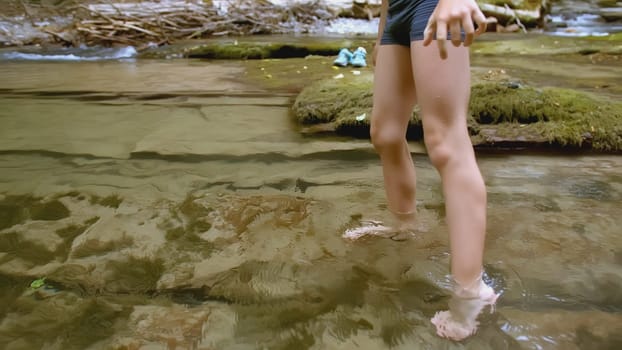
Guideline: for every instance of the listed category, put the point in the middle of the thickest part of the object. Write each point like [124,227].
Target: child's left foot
[369,228]
[460,321]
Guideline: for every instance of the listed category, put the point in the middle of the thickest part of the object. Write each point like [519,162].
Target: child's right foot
[460,321]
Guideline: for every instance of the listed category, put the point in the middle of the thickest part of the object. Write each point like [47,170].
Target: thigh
[394,89]
[443,87]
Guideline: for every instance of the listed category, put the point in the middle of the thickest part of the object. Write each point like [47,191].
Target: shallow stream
[170,204]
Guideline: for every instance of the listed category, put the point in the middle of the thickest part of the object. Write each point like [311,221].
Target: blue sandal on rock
[344,58]
[358,57]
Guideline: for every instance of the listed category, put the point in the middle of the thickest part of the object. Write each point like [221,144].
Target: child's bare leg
[394,99]
[443,91]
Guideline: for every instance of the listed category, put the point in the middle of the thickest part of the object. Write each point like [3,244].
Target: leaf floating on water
[38,283]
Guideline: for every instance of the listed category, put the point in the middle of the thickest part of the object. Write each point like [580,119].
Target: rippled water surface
[168,205]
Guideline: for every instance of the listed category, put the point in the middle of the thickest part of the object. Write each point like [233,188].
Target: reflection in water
[204,220]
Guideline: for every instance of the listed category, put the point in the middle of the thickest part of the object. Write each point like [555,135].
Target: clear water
[170,206]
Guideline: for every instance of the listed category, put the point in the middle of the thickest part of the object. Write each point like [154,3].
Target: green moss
[324,100]
[196,215]
[519,114]
[195,221]
[200,225]
[111,201]
[174,233]
[291,75]
[548,45]
[350,122]
[49,211]
[187,239]
[261,50]
[193,210]
[507,102]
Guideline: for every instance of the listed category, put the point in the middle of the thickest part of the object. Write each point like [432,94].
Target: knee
[439,150]
[386,138]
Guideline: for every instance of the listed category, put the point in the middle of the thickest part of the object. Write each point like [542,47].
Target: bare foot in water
[460,321]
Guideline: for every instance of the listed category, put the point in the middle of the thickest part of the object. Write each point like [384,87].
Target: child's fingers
[469,30]
[456,35]
[441,38]
[428,33]
[480,19]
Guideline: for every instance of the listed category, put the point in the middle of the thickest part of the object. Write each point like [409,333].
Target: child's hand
[454,15]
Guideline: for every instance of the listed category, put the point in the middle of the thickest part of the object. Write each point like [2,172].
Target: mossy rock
[503,112]
[253,50]
[536,44]
[331,99]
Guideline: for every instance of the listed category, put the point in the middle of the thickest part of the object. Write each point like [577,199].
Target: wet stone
[95,247]
[167,327]
[561,329]
[66,316]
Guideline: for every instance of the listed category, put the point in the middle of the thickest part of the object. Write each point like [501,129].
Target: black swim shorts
[406,21]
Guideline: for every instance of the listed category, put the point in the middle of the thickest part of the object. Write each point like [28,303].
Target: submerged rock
[563,329]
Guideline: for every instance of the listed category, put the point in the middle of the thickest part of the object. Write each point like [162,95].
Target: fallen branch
[518,22]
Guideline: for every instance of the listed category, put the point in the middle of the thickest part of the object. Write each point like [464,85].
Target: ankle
[404,215]
[404,220]
[468,289]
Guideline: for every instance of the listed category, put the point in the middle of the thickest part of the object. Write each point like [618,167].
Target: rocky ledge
[503,113]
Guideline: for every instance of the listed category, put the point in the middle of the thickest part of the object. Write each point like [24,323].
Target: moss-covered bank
[502,113]
[253,49]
